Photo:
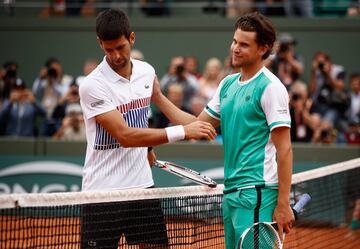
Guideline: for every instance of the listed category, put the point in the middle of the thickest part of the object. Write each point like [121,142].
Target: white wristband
[175,133]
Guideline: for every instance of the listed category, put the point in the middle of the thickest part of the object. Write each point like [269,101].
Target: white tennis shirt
[108,165]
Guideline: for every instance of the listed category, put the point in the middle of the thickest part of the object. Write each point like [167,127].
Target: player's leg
[147,227]
[100,226]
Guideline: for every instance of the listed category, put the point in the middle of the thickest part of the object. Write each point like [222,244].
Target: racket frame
[185,172]
[267,224]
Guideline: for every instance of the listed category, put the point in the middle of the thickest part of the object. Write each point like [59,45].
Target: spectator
[155,7]
[327,89]
[354,8]
[286,64]
[236,8]
[354,110]
[273,7]
[89,66]
[191,65]
[303,8]
[178,74]
[8,79]
[302,122]
[325,133]
[71,97]
[52,68]
[73,127]
[137,54]
[48,89]
[212,75]
[352,134]
[19,113]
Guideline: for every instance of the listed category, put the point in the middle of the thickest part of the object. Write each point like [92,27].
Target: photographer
[48,89]
[18,114]
[303,123]
[327,90]
[286,64]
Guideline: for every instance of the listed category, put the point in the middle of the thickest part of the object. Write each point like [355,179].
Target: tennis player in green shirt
[253,109]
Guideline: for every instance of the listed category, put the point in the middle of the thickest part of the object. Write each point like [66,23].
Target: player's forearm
[138,137]
[173,113]
[284,175]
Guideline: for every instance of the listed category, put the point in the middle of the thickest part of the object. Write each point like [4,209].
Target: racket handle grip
[303,200]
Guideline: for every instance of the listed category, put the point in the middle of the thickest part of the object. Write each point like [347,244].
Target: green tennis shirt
[248,112]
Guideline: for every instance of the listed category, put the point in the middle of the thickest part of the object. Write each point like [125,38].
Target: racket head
[261,235]
[186,173]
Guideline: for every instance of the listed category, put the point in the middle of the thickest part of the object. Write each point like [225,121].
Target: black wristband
[150,149]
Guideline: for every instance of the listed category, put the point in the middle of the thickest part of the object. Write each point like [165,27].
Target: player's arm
[283,213]
[172,112]
[127,136]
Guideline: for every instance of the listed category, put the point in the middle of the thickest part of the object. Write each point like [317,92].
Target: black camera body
[52,73]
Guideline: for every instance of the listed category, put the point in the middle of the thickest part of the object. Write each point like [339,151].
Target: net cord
[73,198]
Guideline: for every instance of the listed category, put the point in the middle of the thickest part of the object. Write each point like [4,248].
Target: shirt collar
[110,74]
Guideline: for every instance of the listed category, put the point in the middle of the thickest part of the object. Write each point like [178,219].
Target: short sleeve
[275,103]
[213,107]
[94,99]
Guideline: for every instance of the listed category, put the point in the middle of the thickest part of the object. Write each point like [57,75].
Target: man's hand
[199,130]
[284,217]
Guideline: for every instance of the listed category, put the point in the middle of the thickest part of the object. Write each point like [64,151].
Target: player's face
[244,49]
[118,51]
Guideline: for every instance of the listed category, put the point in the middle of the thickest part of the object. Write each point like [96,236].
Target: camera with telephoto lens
[52,73]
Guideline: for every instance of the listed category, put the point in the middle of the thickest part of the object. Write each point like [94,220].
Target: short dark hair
[262,26]
[111,24]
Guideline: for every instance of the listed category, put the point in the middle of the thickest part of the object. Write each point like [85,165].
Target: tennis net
[180,217]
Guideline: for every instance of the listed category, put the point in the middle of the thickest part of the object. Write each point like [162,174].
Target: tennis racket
[264,235]
[185,173]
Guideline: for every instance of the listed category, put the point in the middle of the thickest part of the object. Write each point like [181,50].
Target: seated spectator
[327,89]
[212,75]
[18,114]
[273,7]
[155,7]
[352,134]
[302,122]
[325,133]
[302,8]
[178,74]
[73,127]
[286,64]
[236,8]
[354,8]
[191,65]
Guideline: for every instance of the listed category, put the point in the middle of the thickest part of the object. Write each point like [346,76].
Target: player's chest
[126,92]
[239,101]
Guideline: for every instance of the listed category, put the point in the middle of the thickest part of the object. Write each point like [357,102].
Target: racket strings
[261,236]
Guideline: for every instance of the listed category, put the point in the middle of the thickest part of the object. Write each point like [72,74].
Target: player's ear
[132,38]
[263,49]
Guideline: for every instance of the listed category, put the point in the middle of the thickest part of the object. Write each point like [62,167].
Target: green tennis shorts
[244,207]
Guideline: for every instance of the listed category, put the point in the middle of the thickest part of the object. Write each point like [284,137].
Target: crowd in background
[227,8]
[324,110]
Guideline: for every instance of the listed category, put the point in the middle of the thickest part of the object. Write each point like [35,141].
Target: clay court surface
[64,233]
